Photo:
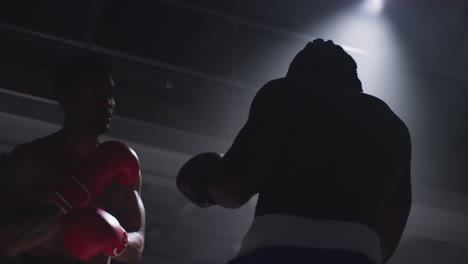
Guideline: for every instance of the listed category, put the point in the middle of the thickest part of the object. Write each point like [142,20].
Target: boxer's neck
[77,142]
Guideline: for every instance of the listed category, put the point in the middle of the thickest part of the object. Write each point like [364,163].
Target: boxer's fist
[112,160]
[88,232]
[192,178]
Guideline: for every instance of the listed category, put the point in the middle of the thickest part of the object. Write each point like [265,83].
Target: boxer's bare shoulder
[22,185]
[30,173]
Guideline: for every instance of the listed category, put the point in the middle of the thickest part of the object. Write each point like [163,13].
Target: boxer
[330,165]
[51,177]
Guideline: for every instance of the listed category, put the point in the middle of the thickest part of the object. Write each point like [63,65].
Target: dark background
[187,70]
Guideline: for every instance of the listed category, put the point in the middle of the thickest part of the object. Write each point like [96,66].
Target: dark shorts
[298,255]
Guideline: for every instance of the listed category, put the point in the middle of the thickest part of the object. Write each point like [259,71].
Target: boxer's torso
[339,155]
[49,166]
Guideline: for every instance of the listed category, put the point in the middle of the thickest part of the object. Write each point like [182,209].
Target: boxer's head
[320,57]
[84,89]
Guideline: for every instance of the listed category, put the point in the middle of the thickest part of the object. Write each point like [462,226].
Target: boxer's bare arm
[242,170]
[392,222]
[19,189]
[238,177]
[27,224]
[132,218]
[23,188]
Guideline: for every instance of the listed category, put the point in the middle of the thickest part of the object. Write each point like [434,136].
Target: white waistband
[286,230]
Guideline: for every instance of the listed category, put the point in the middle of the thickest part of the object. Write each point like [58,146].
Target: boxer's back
[342,152]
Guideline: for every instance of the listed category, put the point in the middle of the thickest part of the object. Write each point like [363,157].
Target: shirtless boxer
[330,163]
[34,172]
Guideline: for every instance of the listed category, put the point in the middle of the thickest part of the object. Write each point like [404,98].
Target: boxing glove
[112,160]
[88,232]
[192,178]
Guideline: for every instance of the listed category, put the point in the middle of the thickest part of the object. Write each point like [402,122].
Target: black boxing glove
[193,176]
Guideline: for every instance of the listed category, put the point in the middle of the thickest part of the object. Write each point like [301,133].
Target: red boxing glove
[88,232]
[112,160]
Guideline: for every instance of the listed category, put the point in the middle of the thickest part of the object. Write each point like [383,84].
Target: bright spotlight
[374,6]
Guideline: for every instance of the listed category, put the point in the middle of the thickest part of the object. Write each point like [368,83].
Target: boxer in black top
[330,164]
